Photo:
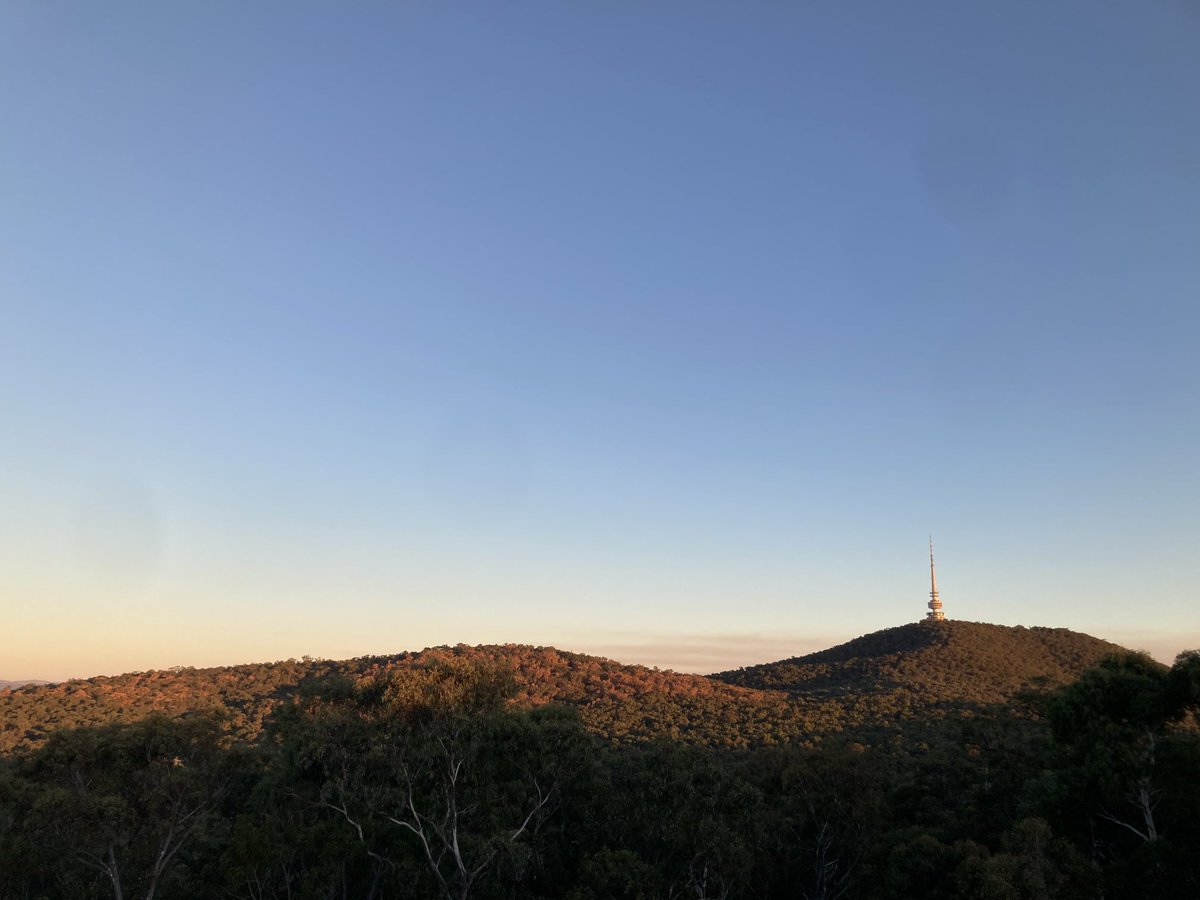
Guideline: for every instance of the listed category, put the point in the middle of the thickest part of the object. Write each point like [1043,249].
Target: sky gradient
[664,331]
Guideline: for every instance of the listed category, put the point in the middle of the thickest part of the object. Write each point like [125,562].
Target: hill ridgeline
[926,671]
[947,662]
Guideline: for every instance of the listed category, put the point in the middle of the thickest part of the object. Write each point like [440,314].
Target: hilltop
[926,671]
[897,762]
[934,663]
[623,702]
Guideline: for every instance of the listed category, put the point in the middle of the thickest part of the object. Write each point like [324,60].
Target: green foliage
[616,875]
[928,665]
[109,810]
[470,773]
[1184,683]
[912,673]
[428,767]
[1127,769]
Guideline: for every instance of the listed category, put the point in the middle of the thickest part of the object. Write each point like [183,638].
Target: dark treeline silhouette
[436,780]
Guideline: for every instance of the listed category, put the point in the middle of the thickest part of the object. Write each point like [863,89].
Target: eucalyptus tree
[113,809]
[431,769]
[1128,771]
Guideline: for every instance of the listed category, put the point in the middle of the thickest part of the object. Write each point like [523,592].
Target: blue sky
[666,331]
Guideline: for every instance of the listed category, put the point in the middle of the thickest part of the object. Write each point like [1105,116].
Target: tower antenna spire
[935,604]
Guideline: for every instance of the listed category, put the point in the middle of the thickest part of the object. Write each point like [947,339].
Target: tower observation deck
[935,604]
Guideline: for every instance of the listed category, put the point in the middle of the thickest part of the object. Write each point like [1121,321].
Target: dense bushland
[435,780]
[913,672]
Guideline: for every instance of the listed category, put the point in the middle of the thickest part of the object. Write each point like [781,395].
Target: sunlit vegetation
[921,670]
[1051,766]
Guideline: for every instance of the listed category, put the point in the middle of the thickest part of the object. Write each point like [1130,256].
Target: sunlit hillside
[927,671]
[946,662]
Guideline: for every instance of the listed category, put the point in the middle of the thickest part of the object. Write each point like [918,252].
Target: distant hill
[9,685]
[625,703]
[933,663]
[922,670]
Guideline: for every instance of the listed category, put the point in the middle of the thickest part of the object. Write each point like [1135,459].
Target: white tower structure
[935,605]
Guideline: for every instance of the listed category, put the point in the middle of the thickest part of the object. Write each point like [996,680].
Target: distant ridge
[627,703]
[929,671]
[934,662]
[9,685]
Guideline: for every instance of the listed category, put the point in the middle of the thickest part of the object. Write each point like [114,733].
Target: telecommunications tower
[935,605]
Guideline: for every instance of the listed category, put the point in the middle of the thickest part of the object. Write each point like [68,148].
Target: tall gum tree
[1123,730]
[122,801]
[433,760]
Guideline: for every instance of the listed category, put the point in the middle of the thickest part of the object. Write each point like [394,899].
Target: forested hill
[914,671]
[947,662]
[623,702]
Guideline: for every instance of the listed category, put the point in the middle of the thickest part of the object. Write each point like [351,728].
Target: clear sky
[661,330]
